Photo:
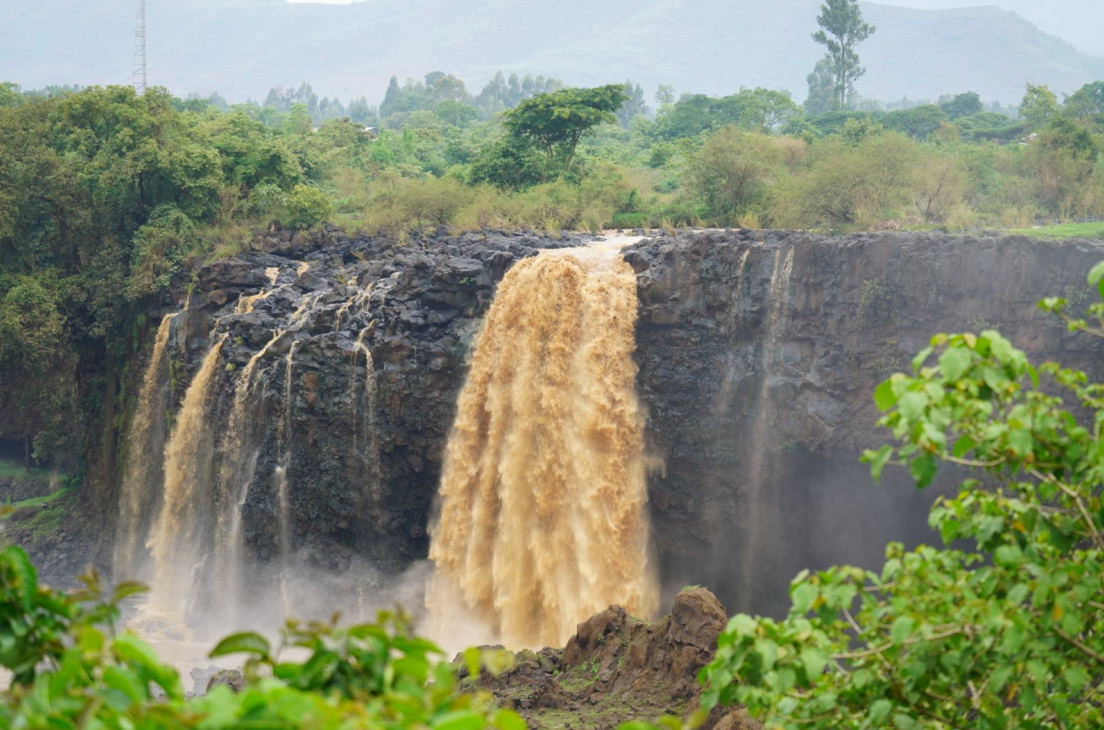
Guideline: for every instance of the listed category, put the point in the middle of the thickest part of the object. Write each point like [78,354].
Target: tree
[636,105]
[1039,106]
[841,30]
[962,105]
[1087,103]
[730,172]
[920,122]
[1001,628]
[822,89]
[558,120]
[665,95]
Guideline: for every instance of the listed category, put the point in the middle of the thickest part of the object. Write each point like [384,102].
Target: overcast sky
[1077,21]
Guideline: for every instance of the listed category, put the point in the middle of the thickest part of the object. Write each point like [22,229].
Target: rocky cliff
[758,354]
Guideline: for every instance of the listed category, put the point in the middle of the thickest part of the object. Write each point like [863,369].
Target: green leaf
[955,362]
[1008,556]
[814,661]
[878,460]
[460,720]
[912,405]
[923,469]
[508,720]
[1096,274]
[884,397]
[921,358]
[902,629]
[126,590]
[963,446]
[804,596]
[28,577]
[1076,677]
[247,642]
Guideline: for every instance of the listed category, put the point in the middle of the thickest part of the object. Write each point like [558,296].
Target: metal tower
[139,82]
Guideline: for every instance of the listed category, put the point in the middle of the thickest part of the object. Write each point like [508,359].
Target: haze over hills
[241,48]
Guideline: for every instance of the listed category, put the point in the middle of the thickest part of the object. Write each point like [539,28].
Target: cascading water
[182,529]
[543,499]
[144,472]
[239,462]
[760,513]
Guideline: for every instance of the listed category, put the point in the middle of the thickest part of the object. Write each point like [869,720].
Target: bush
[71,669]
[159,250]
[306,207]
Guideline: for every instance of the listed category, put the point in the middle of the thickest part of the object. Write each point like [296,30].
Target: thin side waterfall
[183,527]
[760,514]
[141,487]
[239,462]
[543,516]
[283,465]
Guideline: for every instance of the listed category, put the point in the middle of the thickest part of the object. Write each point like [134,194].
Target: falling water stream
[178,539]
[138,500]
[542,499]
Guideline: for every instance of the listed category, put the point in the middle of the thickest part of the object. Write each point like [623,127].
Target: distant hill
[241,48]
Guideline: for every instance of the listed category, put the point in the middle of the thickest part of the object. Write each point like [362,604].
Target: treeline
[105,195]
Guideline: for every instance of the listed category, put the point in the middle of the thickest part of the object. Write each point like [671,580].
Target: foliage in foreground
[72,671]
[1008,633]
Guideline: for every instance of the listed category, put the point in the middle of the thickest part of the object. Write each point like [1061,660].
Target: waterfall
[543,497]
[177,539]
[760,514]
[239,461]
[141,487]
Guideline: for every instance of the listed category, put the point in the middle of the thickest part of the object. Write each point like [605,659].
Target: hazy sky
[1077,21]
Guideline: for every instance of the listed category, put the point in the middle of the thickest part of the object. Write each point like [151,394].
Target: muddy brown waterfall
[543,499]
[141,486]
[179,537]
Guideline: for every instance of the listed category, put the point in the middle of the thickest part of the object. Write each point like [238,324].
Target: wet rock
[231,678]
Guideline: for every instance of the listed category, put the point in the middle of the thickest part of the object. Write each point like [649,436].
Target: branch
[1072,494]
[1077,644]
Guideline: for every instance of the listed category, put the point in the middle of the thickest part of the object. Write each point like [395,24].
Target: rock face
[758,353]
[618,668]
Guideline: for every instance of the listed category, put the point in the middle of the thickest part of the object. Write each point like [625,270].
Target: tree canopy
[842,28]
[558,120]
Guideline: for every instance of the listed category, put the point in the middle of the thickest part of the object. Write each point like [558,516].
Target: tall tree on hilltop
[841,29]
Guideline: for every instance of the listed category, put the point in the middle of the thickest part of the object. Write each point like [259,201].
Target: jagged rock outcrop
[758,352]
[618,668]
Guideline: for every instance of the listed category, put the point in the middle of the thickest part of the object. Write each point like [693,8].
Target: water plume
[543,498]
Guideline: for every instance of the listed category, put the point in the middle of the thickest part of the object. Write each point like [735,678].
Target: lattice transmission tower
[139,82]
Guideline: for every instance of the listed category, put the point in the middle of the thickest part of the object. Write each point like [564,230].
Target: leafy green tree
[962,105]
[665,95]
[635,106]
[1087,104]
[306,207]
[841,30]
[731,171]
[822,89]
[509,163]
[557,121]
[920,122]
[1039,106]
[1003,627]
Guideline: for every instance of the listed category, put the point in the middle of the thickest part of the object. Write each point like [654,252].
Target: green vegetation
[1005,633]
[1065,230]
[71,669]
[106,196]
[17,470]
[841,29]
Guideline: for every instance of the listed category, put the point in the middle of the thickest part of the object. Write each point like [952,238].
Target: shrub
[306,207]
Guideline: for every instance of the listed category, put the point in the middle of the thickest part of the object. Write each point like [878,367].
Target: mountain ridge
[241,48]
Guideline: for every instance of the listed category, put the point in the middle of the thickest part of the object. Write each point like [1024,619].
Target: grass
[1064,230]
[47,514]
[16,470]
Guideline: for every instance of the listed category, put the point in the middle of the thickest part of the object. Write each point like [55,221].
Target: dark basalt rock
[758,354]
